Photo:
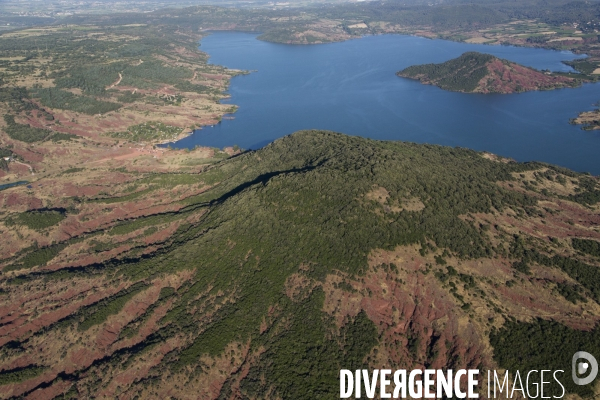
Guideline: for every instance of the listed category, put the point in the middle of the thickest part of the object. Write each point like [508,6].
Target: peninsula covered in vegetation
[475,72]
[590,120]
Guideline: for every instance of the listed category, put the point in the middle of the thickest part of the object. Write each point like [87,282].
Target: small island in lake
[475,72]
[589,119]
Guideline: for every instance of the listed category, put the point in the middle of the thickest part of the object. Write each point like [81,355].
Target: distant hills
[475,72]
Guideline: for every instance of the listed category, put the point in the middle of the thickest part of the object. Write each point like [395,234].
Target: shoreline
[220,138]
[191,100]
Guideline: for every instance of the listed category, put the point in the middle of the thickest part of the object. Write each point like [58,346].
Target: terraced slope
[475,72]
[261,275]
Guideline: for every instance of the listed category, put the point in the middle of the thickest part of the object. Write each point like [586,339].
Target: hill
[261,275]
[475,72]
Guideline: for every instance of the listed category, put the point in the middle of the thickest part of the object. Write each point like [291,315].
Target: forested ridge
[248,284]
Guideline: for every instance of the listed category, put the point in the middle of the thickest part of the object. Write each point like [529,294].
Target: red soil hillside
[483,73]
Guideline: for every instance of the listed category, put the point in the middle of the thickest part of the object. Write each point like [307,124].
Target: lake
[351,87]
[13,184]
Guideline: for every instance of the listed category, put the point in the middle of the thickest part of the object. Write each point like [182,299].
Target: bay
[351,87]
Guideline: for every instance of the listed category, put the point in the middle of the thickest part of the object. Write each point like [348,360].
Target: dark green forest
[24,132]
[460,74]
[529,346]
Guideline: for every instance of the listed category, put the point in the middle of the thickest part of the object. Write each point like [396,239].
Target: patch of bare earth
[381,195]
[505,77]
[423,320]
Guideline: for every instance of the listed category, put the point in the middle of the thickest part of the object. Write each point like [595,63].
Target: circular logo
[584,363]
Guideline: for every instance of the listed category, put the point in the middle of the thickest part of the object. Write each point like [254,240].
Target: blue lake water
[13,184]
[351,87]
